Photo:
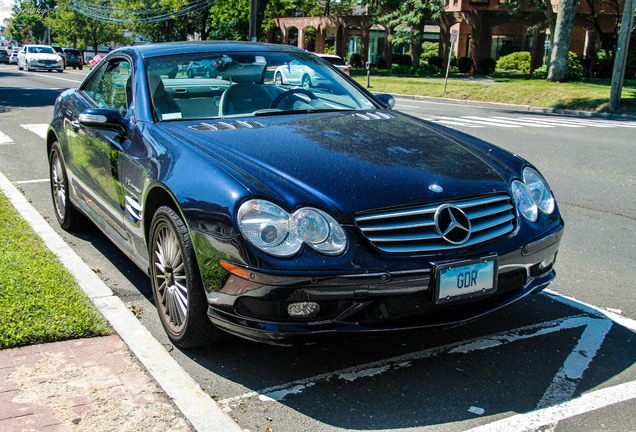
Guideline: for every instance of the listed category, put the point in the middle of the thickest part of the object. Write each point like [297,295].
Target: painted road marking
[547,416]
[38,129]
[279,392]
[5,139]
[556,403]
[32,181]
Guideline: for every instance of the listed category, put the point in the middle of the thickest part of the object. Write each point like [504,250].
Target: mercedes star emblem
[452,224]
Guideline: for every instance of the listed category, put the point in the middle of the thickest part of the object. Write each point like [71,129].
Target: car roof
[172,48]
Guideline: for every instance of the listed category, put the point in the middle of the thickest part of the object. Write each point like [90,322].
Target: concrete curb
[529,108]
[202,412]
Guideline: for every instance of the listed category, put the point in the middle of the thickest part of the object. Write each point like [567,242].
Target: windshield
[40,50]
[243,84]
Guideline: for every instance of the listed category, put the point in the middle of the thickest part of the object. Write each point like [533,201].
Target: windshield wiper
[302,111]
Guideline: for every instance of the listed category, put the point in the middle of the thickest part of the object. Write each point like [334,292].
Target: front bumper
[370,301]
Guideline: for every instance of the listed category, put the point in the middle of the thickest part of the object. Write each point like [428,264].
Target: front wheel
[176,283]
[67,215]
[306,82]
[278,79]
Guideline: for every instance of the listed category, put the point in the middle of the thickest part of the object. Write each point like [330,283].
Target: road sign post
[453,39]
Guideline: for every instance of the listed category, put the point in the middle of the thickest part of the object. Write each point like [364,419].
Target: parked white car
[32,57]
[337,61]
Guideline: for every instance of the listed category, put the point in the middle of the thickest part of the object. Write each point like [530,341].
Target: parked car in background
[337,61]
[279,213]
[58,49]
[74,58]
[94,60]
[13,58]
[32,57]
[4,56]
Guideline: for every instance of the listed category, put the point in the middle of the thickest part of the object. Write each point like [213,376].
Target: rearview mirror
[386,99]
[108,119]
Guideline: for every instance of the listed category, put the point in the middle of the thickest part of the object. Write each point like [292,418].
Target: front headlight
[532,195]
[539,190]
[277,232]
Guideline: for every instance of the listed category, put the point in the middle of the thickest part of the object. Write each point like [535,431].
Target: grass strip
[40,300]
[588,95]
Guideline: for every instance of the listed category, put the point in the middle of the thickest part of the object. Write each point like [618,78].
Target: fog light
[546,263]
[303,309]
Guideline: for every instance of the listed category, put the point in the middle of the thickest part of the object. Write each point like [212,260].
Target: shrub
[519,61]
[541,73]
[381,63]
[486,66]
[574,71]
[356,61]
[405,60]
[464,64]
[435,61]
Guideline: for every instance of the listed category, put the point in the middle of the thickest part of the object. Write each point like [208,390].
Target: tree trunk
[562,39]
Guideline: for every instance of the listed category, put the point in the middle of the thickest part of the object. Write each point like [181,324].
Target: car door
[95,153]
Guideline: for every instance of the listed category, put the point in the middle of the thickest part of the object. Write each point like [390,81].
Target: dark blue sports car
[277,212]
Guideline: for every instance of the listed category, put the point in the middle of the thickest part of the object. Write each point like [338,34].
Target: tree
[561,41]
[604,8]
[27,23]
[69,27]
[408,18]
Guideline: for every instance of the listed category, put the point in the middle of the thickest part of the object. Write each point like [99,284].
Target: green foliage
[574,71]
[425,69]
[519,61]
[39,299]
[464,64]
[486,66]
[27,22]
[541,73]
[408,18]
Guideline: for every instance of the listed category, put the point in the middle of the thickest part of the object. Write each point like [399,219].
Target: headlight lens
[532,195]
[539,191]
[277,232]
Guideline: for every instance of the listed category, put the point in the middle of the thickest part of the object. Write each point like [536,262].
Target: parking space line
[5,139]
[279,392]
[39,129]
[586,403]
[32,181]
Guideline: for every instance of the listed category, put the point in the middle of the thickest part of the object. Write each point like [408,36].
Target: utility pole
[622,48]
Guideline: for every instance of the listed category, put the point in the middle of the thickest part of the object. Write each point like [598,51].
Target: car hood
[344,162]
[42,56]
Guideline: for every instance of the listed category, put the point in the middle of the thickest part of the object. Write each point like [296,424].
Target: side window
[111,86]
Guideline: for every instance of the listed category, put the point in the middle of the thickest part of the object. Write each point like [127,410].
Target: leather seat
[163,102]
[244,98]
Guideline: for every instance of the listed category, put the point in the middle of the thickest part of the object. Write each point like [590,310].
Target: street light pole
[253,20]
[622,47]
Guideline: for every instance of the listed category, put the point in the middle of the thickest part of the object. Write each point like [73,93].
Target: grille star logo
[452,224]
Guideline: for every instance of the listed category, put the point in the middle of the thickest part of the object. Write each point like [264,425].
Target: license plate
[464,279]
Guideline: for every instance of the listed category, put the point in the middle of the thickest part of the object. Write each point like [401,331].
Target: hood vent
[227,126]
[374,116]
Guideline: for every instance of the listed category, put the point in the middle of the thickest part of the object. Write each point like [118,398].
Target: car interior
[242,86]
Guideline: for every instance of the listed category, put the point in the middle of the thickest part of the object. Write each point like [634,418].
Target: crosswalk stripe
[481,121]
[38,129]
[5,139]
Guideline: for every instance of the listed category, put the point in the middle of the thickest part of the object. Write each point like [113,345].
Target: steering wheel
[290,92]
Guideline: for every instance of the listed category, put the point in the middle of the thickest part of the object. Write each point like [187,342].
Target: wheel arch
[158,196]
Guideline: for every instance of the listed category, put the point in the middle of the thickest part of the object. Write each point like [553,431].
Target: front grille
[413,229]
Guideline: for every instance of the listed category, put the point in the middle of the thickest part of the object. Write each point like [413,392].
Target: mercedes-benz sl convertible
[281,212]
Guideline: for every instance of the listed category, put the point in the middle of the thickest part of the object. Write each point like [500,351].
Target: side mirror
[386,100]
[107,119]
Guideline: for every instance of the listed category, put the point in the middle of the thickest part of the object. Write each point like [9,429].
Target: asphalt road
[515,370]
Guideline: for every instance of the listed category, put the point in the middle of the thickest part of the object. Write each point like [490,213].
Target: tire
[65,211]
[278,79]
[61,70]
[176,283]
[306,82]
[189,73]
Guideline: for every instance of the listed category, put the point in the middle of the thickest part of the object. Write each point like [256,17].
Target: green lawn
[588,95]
[39,299]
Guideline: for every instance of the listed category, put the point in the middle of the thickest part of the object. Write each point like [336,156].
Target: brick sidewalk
[81,385]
